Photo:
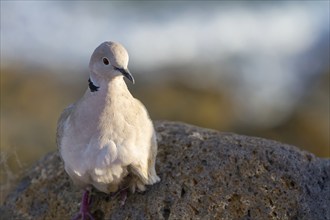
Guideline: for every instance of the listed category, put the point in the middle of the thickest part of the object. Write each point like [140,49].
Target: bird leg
[84,213]
[123,196]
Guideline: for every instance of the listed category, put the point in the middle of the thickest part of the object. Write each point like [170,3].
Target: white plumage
[106,139]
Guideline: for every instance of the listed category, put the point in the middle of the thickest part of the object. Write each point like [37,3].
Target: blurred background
[249,67]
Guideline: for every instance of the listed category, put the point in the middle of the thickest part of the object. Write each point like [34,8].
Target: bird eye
[105,61]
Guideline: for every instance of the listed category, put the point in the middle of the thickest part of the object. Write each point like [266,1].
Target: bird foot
[123,197]
[84,213]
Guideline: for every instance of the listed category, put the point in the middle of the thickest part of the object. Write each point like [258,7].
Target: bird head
[110,60]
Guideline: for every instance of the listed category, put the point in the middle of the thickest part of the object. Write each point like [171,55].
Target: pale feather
[107,135]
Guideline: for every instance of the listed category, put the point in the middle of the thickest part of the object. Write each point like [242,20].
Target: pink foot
[123,197]
[84,213]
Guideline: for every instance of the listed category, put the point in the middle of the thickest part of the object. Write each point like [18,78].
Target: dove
[106,139]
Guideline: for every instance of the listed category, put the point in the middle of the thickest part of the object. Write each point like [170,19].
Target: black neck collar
[91,86]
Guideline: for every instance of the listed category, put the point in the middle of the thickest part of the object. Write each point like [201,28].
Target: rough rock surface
[205,175]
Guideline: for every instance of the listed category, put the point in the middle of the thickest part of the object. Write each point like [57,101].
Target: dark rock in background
[205,175]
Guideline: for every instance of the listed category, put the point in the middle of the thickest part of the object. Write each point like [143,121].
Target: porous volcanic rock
[204,174]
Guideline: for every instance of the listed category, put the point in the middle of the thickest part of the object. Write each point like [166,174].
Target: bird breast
[106,139]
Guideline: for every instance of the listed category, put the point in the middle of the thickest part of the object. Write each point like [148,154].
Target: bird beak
[127,74]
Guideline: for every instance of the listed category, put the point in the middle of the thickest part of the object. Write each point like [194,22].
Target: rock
[205,175]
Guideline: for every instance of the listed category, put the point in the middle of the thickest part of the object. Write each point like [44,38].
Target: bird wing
[144,168]
[140,172]
[61,122]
